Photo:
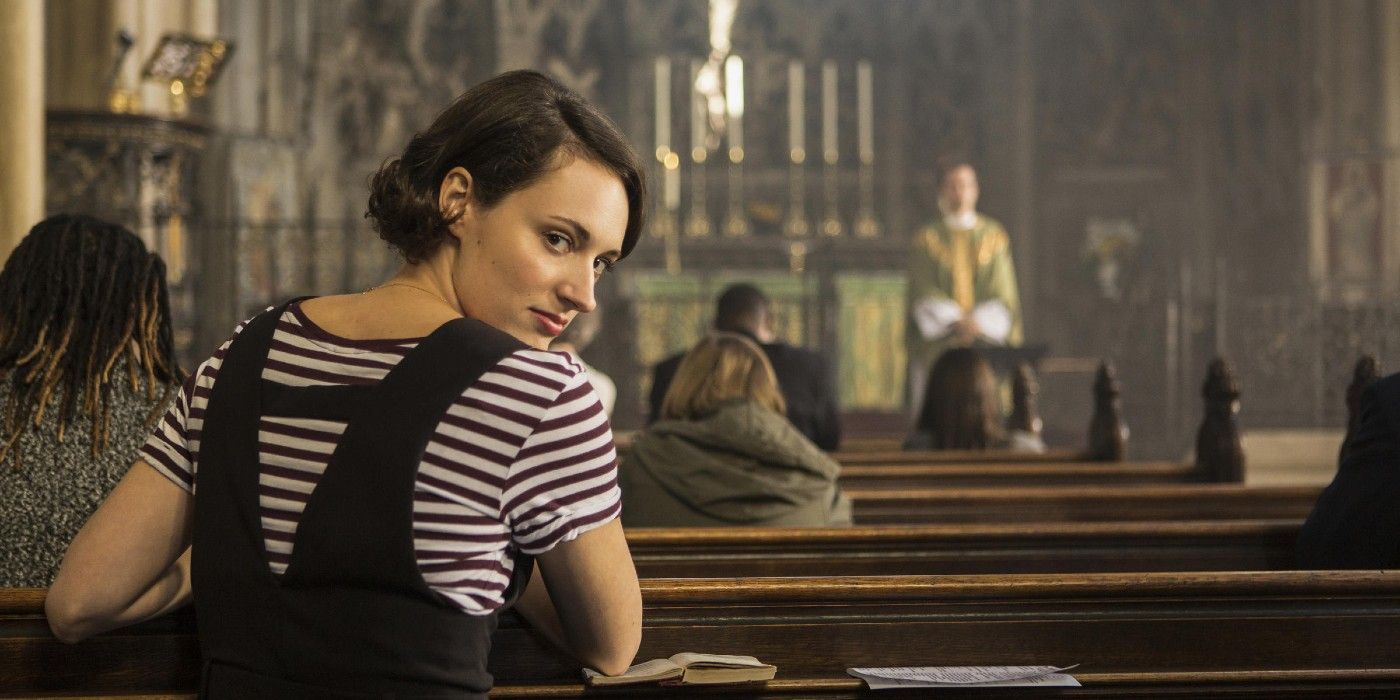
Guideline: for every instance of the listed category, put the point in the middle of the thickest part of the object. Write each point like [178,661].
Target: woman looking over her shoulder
[375,472]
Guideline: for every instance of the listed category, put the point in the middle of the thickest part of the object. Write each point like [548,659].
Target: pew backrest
[1083,503]
[1154,632]
[1219,545]
[925,476]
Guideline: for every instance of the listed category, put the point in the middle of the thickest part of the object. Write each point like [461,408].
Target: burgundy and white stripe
[523,459]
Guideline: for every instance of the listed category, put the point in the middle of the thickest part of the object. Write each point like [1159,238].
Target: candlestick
[672,178]
[866,226]
[663,107]
[698,222]
[831,187]
[797,95]
[734,105]
[699,117]
[829,150]
[865,113]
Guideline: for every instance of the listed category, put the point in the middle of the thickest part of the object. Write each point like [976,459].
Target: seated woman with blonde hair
[722,453]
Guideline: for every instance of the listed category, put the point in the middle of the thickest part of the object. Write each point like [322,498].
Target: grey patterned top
[57,486]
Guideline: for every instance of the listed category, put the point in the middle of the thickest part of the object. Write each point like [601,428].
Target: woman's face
[528,265]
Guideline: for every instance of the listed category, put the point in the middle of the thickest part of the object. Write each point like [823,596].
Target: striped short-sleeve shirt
[522,461]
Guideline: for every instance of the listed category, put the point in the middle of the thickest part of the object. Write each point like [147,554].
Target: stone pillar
[21,119]
[1390,143]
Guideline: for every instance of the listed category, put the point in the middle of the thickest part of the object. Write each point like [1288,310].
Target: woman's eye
[601,265]
[557,241]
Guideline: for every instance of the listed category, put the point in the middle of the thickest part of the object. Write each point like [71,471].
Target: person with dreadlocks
[364,481]
[87,364]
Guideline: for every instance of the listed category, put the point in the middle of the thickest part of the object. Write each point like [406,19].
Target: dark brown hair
[77,295]
[961,410]
[507,132]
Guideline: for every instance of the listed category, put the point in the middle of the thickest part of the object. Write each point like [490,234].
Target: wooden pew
[1266,634]
[1083,504]
[1015,548]
[882,457]
[926,476]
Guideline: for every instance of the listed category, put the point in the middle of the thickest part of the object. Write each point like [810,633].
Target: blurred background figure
[86,367]
[723,454]
[962,283]
[804,376]
[961,409]
[1356,522]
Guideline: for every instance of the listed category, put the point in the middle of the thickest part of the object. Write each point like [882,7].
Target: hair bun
[403,215]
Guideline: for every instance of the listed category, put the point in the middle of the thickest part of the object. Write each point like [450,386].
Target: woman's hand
[130,562]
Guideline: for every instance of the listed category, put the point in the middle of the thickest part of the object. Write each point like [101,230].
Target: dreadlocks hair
[76,296]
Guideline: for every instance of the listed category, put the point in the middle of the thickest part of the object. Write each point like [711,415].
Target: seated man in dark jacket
[803,375]
[1356,522]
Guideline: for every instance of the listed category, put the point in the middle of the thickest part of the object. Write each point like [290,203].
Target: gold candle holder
[866,225]
[797,257]
[831,220]
[697,224]
[736,225]
[796,226]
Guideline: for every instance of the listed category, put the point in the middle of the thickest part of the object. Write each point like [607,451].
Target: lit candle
[699,116]
[865,105]
[663,107]
[734,104]
[671,182]
[829,111]
[797,134]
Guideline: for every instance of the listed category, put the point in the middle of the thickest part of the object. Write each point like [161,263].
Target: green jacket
[742,466]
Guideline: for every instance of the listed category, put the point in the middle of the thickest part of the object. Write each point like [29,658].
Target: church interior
[1201,199]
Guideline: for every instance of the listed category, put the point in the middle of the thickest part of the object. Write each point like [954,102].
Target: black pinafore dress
[352,616]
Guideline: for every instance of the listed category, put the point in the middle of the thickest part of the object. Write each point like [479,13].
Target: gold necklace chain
[435,295]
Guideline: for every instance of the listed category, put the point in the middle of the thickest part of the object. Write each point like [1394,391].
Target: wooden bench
[1220,545]
[887,457]
[1083,504]
[925,476]
[1265,634]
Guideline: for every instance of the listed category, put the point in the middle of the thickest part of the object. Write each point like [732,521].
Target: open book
[689,668]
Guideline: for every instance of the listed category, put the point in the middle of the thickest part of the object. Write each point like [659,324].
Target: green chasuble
[964,266]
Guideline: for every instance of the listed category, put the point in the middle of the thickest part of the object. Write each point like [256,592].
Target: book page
[946,676]
[647,670]
[690,658]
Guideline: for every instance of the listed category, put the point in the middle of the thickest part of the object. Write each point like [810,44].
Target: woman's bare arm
[129,562]
[590,602]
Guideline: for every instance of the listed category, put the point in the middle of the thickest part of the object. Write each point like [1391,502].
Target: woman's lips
[549,323]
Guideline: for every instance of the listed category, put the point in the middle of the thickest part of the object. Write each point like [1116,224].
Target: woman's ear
[456,198]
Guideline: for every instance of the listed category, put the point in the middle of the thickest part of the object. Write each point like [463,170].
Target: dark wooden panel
[953,457]
[926,476]
[1291,633]
[1083,504]
[966,549]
